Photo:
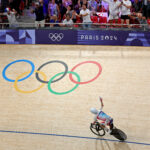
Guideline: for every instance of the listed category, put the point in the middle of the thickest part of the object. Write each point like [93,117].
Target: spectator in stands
[74,2]
[21,7]
[65,4]
[72,13]
[81,2]
[137,6]
[27,3]
[148,9]
[92,5]
[15,4]
[68,21]
[17,7]
[53,9]
[74,17]
[69,10]
[113,10]
[59,3]
[40,21]
[85,14]
[136,12]
[125,12]
[54,21]
[45,7]
[144,7]
[142,20]
[11,15]
[100,7]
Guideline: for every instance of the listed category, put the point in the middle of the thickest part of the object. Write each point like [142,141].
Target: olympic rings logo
[52,80]
[56,36]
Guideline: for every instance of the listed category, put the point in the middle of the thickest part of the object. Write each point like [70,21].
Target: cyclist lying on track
[100,115]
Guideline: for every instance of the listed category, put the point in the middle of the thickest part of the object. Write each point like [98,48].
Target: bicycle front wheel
[97,129]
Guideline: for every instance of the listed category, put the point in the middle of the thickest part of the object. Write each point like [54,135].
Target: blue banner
[113,38]
[82,37]
[17,36]
[56,37]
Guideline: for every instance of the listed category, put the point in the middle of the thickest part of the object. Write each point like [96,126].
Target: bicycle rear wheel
[97,129]
[120,135]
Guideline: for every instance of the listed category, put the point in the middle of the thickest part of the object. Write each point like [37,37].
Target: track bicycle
[99,130]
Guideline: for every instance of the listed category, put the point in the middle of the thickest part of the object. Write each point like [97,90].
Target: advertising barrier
[75,37]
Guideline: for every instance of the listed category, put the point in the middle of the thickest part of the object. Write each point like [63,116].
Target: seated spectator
[113,10]
[39,21]
[54,21]
[125,12]
[68,21]
[53,9]
[142,20]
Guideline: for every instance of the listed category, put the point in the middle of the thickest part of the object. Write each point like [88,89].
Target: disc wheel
[120,135]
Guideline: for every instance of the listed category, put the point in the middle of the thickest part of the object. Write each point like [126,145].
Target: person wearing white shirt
[11,15]
[125,11]
[85,14]
[68,21]
[114,6]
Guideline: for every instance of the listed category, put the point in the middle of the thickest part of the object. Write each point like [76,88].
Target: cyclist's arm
[101,100]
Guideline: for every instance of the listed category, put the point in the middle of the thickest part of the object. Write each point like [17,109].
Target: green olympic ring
[62,93]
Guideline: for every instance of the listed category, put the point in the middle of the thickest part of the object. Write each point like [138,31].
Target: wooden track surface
[37,121]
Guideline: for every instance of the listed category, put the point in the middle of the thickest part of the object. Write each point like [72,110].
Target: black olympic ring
[53,61]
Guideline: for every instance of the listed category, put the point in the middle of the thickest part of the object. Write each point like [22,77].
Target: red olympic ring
[93,62]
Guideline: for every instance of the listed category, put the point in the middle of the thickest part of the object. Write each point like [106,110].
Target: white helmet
[94,111]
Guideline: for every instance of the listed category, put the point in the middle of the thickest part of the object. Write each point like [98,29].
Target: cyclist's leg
[111,126]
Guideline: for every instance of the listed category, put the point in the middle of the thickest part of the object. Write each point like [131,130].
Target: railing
[86,26]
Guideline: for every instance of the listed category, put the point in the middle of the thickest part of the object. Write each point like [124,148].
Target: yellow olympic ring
[20,76]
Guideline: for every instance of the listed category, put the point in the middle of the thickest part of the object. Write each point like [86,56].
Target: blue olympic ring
[24,60]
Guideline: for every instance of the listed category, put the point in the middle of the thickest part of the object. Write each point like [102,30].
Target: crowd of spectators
[68,12]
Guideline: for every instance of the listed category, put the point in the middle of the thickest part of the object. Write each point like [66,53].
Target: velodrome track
[42,120]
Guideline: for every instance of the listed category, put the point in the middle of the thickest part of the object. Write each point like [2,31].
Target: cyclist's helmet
[94,111]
